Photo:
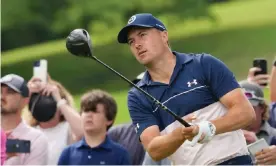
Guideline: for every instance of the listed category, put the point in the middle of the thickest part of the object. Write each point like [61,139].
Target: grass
[244,30]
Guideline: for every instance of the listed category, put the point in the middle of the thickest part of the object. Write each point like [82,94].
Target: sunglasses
[251,95]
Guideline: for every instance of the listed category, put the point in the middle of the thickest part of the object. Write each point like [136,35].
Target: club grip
[178,118]
[182,121]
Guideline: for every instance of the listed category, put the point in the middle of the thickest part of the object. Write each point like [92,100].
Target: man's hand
[259,79]
[266,156]
[199,133]
[250,137]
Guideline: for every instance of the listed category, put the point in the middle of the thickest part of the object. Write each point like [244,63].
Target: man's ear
[165,36]
[110,122]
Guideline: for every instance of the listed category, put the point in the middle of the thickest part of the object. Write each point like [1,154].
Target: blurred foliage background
[235,31]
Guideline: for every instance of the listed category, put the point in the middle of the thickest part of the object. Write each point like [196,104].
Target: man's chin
[6,112]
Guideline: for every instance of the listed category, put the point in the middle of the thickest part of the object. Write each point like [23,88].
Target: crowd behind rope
[61,135]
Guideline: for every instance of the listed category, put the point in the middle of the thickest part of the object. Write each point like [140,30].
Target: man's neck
[10,121]
[162,69]
[94,139]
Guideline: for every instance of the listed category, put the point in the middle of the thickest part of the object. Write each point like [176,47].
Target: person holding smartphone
[14,97]
[258,75]
[260,128]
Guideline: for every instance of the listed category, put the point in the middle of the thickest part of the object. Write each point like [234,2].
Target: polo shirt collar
[266,128]
[181,59]
[105,145]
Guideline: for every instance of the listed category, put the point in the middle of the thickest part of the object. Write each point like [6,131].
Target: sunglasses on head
[251,95]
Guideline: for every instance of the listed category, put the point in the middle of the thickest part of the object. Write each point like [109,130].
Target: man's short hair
[91,99]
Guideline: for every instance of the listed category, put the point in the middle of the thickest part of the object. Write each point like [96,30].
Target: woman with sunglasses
[260,128]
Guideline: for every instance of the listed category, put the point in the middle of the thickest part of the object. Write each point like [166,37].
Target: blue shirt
[107,153]
[198,80]
[272,115]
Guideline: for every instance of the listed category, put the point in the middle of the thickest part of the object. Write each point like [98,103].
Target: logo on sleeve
[194,82]
[137,127]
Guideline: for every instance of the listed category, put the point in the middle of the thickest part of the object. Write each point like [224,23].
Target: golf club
[78,43]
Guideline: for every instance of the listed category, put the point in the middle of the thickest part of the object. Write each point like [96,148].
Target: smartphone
[262,64]
[40,70]
[257,146]
[18,146]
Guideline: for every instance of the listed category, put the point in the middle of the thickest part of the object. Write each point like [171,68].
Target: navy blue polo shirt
[198,80]
[107,153]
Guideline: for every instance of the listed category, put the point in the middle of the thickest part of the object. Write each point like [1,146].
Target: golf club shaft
[146,93]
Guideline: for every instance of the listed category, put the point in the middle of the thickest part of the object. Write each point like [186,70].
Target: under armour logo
[137,127]
[192,83]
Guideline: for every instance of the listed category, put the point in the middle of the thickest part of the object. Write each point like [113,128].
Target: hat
[253,92]
[138,78]
[146,20]
[43,108]
[16,83]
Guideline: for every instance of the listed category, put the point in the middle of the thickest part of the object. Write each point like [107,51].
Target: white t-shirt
[57,140]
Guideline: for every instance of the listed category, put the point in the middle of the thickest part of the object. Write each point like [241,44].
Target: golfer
[191,85]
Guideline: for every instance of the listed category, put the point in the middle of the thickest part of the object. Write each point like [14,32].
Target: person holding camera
[51,111]
[14,97]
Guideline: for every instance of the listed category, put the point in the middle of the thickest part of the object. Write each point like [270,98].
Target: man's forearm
[237,117]
[73,118]
[163,146]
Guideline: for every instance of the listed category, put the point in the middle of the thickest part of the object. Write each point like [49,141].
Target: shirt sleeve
[63,158]
[113,133]
[39,152]
[220,79]
[141,112]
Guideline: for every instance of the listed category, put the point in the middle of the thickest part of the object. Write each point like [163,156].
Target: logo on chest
[192,83]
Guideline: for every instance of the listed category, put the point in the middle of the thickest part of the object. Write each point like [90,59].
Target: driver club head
[78,43]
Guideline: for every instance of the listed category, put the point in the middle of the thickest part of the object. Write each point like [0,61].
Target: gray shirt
[125,135]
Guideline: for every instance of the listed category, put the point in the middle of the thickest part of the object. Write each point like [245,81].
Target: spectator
[14,97]
[260,128]
[54,115]
[3,146]
[197,84]
[125,135]
[272,119]
[266,79]
[98,111]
